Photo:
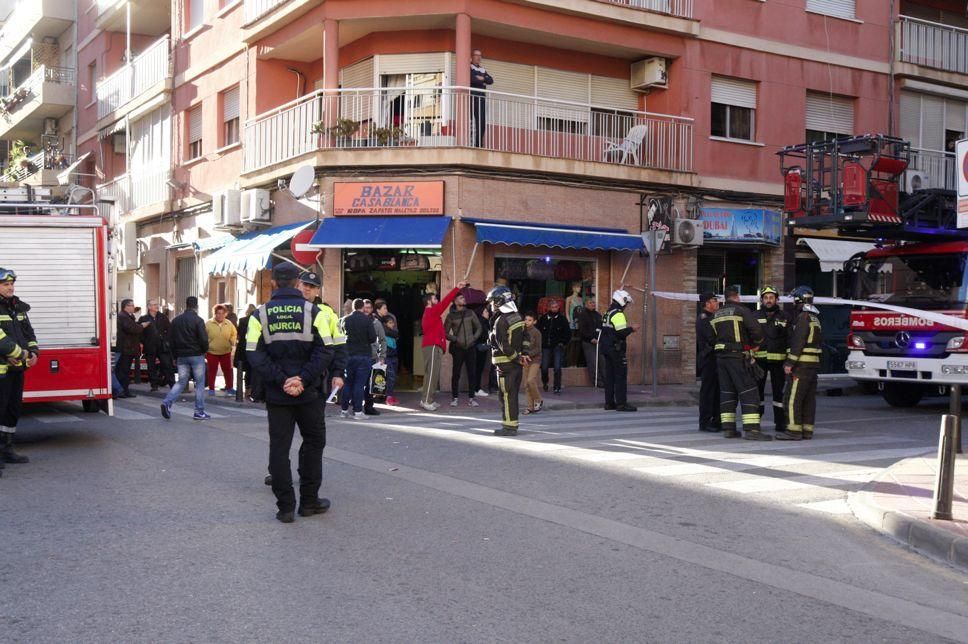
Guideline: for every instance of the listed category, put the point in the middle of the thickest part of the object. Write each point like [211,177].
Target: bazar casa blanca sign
[388,198]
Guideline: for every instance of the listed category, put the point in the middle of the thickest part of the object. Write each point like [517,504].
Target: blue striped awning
[380,232]
[520,234]
[212,243]
[252,251]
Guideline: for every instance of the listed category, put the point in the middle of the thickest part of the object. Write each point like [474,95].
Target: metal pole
[127,33]
[944,483]
[655,315]
[954,408]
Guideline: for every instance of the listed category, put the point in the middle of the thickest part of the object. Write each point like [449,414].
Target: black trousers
[509,382]
[479,113]
[709,394]
[123,370]
[466,359]
[736,384]
[773,371]
[312,426]
[11,398]
[616,377]
[591,351]
[161,368]
[800,399]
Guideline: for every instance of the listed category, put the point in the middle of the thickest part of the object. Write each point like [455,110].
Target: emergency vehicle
[60,255]
[853,185]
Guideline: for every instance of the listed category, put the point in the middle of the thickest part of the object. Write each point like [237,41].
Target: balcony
[932,45]
[939,168]
[148,74]
[47,93]
[441,118]
[677,8]
[255,9]
[40,169]
[145,190]
[148,17]
[37,19]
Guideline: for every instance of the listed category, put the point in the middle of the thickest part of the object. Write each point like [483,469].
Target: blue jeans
[393,363]
[190,367]
[357,378]
[552,356]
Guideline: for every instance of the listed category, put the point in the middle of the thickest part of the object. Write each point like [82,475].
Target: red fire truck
[853,186]
[60,254]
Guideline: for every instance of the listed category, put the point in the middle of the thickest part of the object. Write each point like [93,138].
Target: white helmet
[622,297]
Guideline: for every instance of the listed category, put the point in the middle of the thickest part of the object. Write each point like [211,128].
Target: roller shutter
[836,8]
[614,93]
[911,118]
[826,113]
[562,86]
[733,91]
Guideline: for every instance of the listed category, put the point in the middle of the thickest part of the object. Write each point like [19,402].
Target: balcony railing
[678,8]
[36,163]
[145,71]
[255,9]
[445,117]
[32,85]
[938,166]
[136,190]
[931,44]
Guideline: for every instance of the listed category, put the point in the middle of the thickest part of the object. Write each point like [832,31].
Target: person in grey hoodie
[463,329]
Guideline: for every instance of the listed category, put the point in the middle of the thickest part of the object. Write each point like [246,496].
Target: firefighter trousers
[11,400]
[736,384]
[509,382]
[773,371]
[800,399]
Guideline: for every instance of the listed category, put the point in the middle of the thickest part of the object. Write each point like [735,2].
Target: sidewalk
[899,503]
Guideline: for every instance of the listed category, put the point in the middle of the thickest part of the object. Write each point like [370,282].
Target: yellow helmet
[769,289]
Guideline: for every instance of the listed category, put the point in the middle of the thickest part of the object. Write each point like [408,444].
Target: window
[835,8]
[733,108]
[195,132]
[828,117]
[230,116]
[92,79]
[196,13]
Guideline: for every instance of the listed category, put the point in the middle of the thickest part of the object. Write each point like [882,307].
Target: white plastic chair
[629,147]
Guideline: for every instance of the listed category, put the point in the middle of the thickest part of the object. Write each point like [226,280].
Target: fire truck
[853,185]
[60,254]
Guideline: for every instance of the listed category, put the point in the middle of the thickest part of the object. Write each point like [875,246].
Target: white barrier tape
[938,318]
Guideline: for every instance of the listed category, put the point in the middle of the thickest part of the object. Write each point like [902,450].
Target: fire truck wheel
[898,394]
[91,406]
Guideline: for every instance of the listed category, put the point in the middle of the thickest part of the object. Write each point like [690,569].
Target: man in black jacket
[157,347]
[480,79]
[589,322]
[189,342]
[706,365]
[360,336]
[129,345]
[555,335]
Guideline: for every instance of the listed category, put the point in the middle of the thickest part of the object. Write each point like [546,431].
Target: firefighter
[15,329]
[738,335]
[507,341]
[611,342]
[706,365]
[772,353]
[801,367]
[288,343]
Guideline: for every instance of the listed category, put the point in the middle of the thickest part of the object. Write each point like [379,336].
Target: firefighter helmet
[499,296]
[767,290]
[802,295]
[7,275]
[622,297]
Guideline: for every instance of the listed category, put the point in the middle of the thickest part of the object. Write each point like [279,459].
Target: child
[532,363]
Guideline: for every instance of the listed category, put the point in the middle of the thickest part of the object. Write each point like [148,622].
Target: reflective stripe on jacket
[806,341]
[736,329]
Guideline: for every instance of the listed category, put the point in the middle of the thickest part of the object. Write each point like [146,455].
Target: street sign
[300,253]
[961,166]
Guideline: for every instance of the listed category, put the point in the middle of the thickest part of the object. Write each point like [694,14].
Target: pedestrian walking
[772,353]
[286,343]
[222,338]
[507,342]
[589,323]
[612,345]
[392,332]
[555,335]
[378,353]
[189,343]
[738,335]
[129,333]
[802,366]
[433,344]
[18,345]
[531,348]
[480,79]
[706,365]
[157,347]
[463,330]
[360,336]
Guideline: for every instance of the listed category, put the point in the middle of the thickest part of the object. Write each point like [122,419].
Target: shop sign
[388,198]
[741,225]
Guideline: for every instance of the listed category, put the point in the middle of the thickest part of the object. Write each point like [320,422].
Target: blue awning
[519,234]
[252,251]
[380,232]
[212,243]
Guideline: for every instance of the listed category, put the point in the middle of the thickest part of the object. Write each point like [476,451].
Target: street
[589,525]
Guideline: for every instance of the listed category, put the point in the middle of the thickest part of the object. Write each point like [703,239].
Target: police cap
[309,277]
[705,297]
[285,271]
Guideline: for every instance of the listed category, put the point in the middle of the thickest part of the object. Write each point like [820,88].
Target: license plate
[902,365]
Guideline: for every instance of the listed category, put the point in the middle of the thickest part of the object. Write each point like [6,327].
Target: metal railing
[449,117]
[36,163]
[138,189]
[932,44]
[938,166]
[678,8]
[32,84]
[146,70]
[255,9]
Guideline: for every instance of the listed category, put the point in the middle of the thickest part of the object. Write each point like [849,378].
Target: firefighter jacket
[806,340]
[506,338]
[736,329]
[286,337]
[775,325]
[705,340]
[17,339]
[615,329]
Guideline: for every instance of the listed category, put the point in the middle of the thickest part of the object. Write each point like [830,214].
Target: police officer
[801,367]
[507,342]
[611,342]
[706,365]
[772,353]
[288,343]
[14,328]
[738,334]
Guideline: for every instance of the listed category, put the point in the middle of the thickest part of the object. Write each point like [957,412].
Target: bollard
[944,484]
[239,385]
[954,408]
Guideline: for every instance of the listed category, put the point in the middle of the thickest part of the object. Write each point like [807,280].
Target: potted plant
[343,130]
[389,135]
[18,162]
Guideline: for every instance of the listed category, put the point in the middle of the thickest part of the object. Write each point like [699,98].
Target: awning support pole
[627,267]
[471,263]
[291,261]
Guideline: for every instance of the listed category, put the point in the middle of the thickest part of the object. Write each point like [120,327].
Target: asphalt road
[588,526]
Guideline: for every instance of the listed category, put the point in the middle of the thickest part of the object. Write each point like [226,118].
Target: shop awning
[380,232]
[832,253]
[523,234]
[212,243]
[252,251]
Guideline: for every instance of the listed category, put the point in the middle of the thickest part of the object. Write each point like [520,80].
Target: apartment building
[606,118]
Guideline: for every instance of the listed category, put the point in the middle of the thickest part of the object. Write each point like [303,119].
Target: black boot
[7,454]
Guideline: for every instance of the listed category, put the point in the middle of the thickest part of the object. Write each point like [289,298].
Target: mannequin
[574,302]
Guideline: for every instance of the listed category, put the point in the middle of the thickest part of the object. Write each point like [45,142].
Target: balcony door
[416,104]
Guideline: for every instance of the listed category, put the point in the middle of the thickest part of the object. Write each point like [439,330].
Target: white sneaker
[435,405]
[481,393]
[359,415]
[430,407]
[454,402]
[473,403]
[344,413]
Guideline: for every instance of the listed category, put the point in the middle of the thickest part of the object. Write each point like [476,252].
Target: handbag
[414,262]
[378,381]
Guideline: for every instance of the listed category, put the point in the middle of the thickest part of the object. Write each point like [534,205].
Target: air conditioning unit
[50,126]
[130,258]
[648,73]
[915,180]
[256,207]
[227,208]
[687,232]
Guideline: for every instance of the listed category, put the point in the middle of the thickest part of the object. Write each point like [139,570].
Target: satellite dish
[301,181]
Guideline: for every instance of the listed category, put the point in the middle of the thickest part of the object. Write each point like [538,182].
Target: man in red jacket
[434,343]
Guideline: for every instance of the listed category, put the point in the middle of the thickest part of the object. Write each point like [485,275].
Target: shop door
[718,269]
[187,281]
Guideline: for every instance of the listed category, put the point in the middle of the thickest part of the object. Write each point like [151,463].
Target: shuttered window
[835,8]
[357,107]
[195,132]
[828,117]
[733,108]
[558,85]
[230,116]
[151,142]
[931,122]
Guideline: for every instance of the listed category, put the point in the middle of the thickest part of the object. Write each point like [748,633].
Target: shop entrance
[720,268]
[401,277]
